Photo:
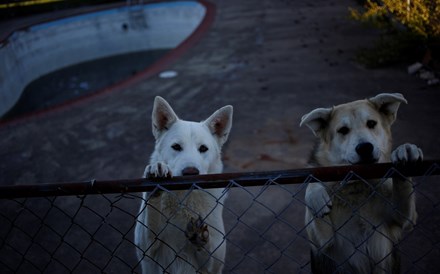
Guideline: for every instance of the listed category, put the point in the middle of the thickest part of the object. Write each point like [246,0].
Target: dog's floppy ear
[317,119]
[163,116]
[220,123]
[388,104]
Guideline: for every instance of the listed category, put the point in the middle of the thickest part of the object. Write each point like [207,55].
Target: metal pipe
[296,176]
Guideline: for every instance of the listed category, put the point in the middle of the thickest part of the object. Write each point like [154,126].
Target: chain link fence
[88,227]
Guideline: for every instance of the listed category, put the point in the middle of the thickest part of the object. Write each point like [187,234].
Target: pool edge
[152,70]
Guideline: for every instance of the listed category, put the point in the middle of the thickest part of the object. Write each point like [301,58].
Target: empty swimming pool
[50,63]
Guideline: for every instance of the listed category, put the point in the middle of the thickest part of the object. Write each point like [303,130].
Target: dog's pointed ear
[220,123]
[317,119]
[163,116]
[388,104]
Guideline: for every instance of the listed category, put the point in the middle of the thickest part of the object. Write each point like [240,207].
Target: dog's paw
[318,200]
[157,170]
[406,153]
[197,232]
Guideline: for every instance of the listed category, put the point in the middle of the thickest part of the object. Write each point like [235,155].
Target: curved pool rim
[155,68]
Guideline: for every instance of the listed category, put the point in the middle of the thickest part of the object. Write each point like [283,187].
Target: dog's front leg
[317,220]
[149,221]
[318,200]
[197,232]
[403,193]
[157,170]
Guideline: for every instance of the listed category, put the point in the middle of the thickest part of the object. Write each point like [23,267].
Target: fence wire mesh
[88,227]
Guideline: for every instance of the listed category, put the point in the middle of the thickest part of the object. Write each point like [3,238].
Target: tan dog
[353,226]
[183,231]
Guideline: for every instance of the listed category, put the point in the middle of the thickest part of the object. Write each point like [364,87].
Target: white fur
[357,224]
[166,219]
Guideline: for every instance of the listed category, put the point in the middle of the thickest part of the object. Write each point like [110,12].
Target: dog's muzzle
[188,171]
[365,152]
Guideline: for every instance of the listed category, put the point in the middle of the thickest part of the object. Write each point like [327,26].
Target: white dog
[354,226]
[183,231]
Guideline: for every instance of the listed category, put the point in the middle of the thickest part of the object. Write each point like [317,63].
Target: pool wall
[42,48]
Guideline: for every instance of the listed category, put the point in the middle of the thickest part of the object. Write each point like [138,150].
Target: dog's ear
[220,123]
[163,116]
[388,104]
[317,119]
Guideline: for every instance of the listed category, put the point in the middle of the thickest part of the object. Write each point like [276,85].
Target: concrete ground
[273,61]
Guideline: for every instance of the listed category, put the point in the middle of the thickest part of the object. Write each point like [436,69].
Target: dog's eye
[176,147]
[344,130]
[371,124]
[203,148]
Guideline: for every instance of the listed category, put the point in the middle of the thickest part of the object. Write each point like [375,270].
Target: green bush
[421,17]
[410,27]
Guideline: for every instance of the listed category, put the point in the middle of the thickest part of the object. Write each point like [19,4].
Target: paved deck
[273,61]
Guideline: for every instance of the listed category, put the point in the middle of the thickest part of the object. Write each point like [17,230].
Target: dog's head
[189,148]
[354,133]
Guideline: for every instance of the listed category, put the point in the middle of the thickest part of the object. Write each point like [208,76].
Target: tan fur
[353,226]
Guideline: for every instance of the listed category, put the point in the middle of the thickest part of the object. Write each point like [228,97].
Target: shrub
[411,26]
[422,17]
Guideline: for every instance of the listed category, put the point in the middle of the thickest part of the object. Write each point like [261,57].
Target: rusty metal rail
[88,231]
[297,176]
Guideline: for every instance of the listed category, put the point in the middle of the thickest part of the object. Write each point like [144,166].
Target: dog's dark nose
[190,171]
[365,151]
